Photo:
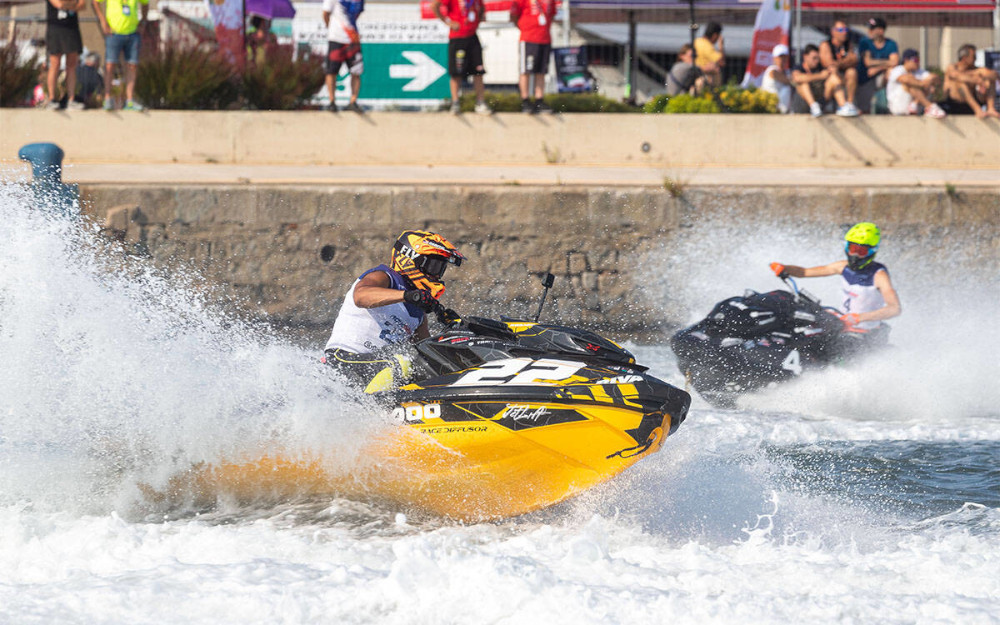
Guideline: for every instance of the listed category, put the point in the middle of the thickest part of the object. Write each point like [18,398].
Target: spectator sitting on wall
[877,55]
[465,52]
[89,79]
[817,85]
[970,89]
[62,38]
[343,47]
[120,25]
[909,88]
[776,80]
[838,55]
[534,20]
[710,53]
[684,77]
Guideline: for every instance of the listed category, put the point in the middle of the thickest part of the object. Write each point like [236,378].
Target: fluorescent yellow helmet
[861,244]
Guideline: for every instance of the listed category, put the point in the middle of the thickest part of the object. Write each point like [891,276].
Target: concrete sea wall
[291,252]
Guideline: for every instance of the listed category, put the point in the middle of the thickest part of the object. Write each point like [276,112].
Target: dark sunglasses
[841,29]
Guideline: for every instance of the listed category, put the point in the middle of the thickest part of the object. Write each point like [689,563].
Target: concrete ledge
[316,138]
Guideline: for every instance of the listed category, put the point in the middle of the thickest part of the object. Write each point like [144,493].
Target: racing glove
[420,298]
[779,270]
[850,320]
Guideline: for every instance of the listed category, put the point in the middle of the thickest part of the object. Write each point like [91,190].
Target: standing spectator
[465,53]
[710,53]
[776,79]
[62,38]
[684,77]
[877,56]
[970,89]
[839,56]
[534,20]
[120,27]
[817,84]
[343,46]
[909,88]
[260,40]
[89,78]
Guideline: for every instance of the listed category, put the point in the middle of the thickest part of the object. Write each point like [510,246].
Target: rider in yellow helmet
[869,297]
[388,305]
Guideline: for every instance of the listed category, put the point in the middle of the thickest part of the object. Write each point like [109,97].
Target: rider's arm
[892,307]
[832,269]
[374,290]
[422,331]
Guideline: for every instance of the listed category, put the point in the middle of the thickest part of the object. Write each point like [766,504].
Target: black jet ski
[761,339]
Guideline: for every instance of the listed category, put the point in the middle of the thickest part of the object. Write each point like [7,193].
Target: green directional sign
[403,71]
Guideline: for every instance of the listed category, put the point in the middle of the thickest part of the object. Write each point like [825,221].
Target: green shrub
[735,99]
[186,77]
[510,102]
[280,83]
[656,104]
[685,103]
[17,78]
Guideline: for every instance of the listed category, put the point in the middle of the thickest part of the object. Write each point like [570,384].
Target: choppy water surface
[865,495]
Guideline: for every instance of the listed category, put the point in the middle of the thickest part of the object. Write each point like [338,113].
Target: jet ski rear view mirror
[547,282]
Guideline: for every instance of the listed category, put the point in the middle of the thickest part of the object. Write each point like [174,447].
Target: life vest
[363,330]
[860,293]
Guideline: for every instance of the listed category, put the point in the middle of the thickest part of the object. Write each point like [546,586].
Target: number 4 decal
[792,362]
[517,372]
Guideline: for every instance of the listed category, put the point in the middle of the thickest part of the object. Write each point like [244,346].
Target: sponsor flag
[227,16]
[770,29]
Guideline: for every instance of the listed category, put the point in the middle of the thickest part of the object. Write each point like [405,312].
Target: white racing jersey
[364,330]
[860,293]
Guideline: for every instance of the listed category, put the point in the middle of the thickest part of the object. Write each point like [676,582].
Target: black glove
[420,298]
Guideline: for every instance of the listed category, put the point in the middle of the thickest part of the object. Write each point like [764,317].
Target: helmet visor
[856,249]
[432,265]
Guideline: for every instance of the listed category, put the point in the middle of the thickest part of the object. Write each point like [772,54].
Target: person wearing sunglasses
[386,307]
[869,297]
[839,55]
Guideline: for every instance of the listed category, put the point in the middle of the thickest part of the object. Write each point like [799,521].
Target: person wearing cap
[838,54]
[970,89]
[776,79]
[909,88]
[710,53]
[877,55]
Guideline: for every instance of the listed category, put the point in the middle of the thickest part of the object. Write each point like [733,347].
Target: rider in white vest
[387,306]
[868,295]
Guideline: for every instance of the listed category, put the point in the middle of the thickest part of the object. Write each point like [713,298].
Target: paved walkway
[181,173]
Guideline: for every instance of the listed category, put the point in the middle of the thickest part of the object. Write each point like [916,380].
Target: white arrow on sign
[422,69]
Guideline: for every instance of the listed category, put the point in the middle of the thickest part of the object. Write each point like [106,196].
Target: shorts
[60,40]
[535,57]
[115,45]
[465,57]
[899,104]
[339,53]
[370,372]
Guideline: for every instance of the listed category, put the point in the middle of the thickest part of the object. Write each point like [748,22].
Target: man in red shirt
[465,53]
[534,19]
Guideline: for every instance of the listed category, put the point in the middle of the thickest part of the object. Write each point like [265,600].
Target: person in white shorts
[908,88]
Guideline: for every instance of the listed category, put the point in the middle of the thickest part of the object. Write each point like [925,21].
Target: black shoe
[542,107]
[527,107]
[355,107]
[331,107]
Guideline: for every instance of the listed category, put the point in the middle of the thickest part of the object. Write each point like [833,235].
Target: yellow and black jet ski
[506,417]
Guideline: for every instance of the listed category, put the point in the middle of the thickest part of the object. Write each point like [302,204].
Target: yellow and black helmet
[422,257]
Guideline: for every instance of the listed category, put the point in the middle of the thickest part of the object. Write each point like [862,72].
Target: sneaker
[109,105]
[355,107]
[330,108]
[848,110]
[815,109]
[934,111]
[455,108]
[483,108]
[73,105]
[133,106]
[542,107]
[52,105]
[527,107]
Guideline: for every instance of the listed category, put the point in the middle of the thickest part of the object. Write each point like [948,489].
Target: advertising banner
[571,70]
[770,28]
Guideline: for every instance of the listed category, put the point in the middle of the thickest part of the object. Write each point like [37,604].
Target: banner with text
[769,29]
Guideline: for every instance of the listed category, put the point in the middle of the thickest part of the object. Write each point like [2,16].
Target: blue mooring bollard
[46,169]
